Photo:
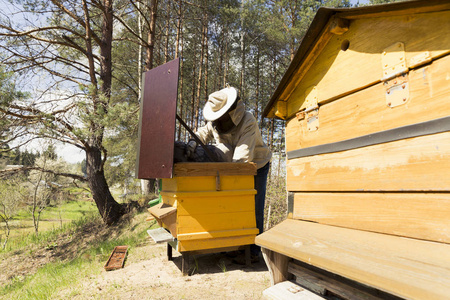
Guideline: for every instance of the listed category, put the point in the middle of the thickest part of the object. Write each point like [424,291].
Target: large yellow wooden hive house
[367,107]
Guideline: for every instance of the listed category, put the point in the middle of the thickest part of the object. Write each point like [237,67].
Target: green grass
[49,280]
[51,218]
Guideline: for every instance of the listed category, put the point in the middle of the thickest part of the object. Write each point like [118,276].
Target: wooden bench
[405,267]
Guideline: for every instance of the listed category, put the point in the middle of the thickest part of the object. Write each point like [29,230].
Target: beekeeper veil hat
[219,103]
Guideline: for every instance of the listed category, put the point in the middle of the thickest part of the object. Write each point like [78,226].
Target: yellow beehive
[209,205]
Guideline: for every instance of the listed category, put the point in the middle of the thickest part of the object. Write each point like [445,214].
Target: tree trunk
[151,34]
[257,86]
[200,72]
[178,52]
[194,75]
[242,41]
[166,45]
[109,209]
[206,57]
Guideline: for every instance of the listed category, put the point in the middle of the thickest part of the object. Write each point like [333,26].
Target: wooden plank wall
[360,114]
[399,187]
[334,72]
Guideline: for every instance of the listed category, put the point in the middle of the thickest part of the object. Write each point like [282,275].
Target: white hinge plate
[393,61]
[312,119]
[312,109]
[420,59]
[397,90]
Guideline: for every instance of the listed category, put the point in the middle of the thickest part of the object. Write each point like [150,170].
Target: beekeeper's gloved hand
[190,148]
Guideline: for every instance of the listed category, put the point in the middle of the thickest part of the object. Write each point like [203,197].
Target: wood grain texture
[334,72]
[277,264]
[417,215]
[408,268]
[216,222]
[321,284]
[217,234]
[211,169]
[416,164]
[216,243]
[207,183]
[215,204]
[366,112]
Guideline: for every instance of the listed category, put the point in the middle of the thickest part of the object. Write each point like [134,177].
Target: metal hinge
[397,90]
[393,61]
[395,75]
[312,109]
[311,113]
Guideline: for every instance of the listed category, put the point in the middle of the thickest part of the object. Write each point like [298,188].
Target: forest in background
[71,73]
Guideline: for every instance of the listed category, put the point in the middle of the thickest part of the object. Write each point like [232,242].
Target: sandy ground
[149,275]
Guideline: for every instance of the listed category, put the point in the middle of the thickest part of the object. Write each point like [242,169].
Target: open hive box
[206,207]
[367,107]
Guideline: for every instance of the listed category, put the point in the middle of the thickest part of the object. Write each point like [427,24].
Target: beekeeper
[236,132]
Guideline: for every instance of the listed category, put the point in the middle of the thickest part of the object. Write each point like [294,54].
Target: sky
[71,153]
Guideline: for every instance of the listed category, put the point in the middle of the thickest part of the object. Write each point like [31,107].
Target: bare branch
[6,173]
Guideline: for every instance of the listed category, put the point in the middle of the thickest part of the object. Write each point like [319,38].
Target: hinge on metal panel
[312,109]
[395,75]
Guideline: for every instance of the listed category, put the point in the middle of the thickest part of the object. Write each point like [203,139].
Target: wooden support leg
[185,263]
[169,252]
[277,265]
[248,260]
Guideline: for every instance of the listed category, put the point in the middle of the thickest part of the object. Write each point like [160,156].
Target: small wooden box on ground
[209,207]
[367,107]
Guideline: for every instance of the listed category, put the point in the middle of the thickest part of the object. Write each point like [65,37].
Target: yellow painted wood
[230,193]
[334,72]
[417,215]
[215,204]
[194,245]
[162,210]
[207,218]
[416,164]
[408,268]
[207,183]
[210,169]
[413,7]
[366,112]
[281,109]
[216,222]
[217,234]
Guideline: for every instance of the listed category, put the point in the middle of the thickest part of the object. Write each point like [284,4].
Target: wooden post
[277,264]
[185,263]
[169,252]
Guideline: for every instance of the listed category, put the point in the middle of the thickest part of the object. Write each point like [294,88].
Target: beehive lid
[157,122]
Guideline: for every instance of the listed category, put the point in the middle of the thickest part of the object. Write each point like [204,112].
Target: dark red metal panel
[157,122]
